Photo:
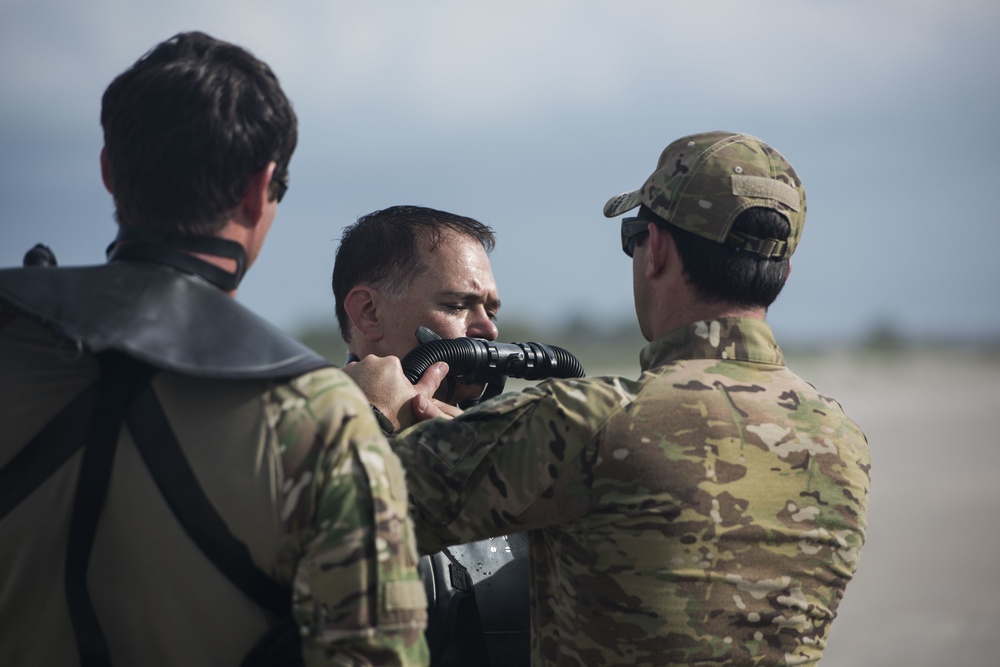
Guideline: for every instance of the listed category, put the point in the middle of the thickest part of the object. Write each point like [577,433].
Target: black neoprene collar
[150,245]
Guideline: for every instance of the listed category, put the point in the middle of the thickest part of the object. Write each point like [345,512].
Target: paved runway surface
[927,590]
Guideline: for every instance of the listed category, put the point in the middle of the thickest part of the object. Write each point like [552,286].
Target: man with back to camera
[711,511]
[398,269]
[181,483]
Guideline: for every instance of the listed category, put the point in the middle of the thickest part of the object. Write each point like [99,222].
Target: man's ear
[256,195]
[361,305]
[106,171]
[661,251]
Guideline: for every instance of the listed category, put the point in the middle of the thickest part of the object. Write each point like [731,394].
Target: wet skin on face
[455,296]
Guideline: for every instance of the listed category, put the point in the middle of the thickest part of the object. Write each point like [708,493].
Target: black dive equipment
[151,245]
[151,307]
[156,303]
[473,360]
[40,255]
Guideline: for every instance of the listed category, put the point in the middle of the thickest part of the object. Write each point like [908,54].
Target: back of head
[186,127]
[384,250]
[722,274]
[736,209]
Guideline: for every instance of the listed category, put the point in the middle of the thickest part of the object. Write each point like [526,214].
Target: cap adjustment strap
[761,187]
[767,248]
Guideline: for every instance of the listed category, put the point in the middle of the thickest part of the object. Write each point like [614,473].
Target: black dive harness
[156,303]
[149,309]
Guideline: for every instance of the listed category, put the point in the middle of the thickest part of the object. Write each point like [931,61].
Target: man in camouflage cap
[711,511]
[180,482]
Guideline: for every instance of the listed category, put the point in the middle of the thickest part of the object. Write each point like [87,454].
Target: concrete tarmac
[927,591]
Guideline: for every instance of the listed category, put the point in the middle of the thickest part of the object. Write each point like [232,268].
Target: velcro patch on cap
[761,187]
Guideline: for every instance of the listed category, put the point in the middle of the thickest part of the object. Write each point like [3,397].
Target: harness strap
[180,488]
[47,451]
[113,391]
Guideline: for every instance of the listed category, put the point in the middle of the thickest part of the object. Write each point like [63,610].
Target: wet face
[455,296]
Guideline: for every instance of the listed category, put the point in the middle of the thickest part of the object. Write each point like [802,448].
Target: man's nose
[483,327]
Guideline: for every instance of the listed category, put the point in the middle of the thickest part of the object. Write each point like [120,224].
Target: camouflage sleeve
[351,553]
[519,462]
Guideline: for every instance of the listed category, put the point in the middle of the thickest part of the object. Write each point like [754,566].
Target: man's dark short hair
[186,127]
[383,250]
[721,273]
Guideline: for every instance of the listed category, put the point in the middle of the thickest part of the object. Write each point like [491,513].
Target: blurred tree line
[613,347]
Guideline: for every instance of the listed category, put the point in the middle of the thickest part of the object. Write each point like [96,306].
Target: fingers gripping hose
[475,359]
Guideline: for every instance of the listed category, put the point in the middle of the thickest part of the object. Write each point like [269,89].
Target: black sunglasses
[279,186]
[631,229]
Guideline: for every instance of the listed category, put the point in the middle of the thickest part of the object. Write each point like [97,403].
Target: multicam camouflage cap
[703,181]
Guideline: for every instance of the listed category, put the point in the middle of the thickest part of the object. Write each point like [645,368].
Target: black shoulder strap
[47,451]
[93,419]
[115,386]
[176,480]
[166,462]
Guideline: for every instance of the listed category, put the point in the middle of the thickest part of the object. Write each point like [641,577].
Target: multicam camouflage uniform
[349,551]
[297,469]
[710,512]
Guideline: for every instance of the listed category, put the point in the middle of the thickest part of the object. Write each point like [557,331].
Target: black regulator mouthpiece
[40,255]
[478,360]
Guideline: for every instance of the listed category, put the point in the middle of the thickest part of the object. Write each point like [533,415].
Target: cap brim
[622,203]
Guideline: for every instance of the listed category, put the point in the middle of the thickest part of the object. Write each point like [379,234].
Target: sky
[529,114]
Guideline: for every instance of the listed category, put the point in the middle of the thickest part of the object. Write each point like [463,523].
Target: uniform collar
[728,338]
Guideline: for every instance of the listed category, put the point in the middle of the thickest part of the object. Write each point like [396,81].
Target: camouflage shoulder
[322,398]
[319,411]
[357,592]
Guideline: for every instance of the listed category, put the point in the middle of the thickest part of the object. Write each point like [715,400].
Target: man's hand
[424,409]
[383,382]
